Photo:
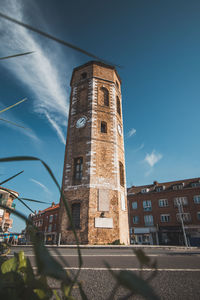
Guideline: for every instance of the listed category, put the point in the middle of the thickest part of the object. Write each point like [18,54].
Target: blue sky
[156,43]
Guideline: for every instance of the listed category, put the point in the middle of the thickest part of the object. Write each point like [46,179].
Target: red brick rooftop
[168,185]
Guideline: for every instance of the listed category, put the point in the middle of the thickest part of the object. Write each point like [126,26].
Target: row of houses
[159,214]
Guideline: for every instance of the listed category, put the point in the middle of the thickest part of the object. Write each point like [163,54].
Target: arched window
[76,215]
[118,106]
[103,127]
[84,75]
[104,96]
[121,173]
[78,170]
[82,100]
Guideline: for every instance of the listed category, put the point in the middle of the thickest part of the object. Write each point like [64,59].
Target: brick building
[94,181]
[6,198]
[47,223]
[155,212]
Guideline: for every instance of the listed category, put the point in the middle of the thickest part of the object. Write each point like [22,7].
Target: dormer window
[144,191]
[160,188]
[195,184]
[178,186]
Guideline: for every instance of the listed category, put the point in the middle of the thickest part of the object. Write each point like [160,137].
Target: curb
[117,247]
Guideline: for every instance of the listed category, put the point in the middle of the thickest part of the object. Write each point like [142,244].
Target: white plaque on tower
[103,222]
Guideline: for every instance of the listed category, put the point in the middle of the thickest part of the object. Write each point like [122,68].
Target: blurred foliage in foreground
[20,281]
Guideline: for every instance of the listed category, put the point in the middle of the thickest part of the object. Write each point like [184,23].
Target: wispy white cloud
[131,132]
[152,158]
[139,148]
[56,127]
[12,118]
[42,72]
[41,185]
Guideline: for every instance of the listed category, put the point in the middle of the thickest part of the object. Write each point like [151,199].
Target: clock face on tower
[81,122]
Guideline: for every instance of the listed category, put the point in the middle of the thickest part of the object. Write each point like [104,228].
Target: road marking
[131,269]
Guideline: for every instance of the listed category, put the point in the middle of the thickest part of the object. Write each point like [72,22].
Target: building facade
[47,223]
[6,198]
[94,183]
[157,211]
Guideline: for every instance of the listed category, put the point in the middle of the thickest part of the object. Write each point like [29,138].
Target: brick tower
[93,176]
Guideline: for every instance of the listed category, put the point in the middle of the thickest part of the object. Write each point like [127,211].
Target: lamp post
[181,212]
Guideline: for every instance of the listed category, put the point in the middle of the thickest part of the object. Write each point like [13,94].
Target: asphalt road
[178,270]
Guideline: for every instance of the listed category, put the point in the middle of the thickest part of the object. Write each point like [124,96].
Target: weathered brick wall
[101,154]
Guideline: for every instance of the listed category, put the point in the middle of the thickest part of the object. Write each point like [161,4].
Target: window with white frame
[163,202]
[135,219]
[160,188]
[178,186]
[50,218]
[50,228]
[147,205]
[185,216]
[40,222]
[198,215]
[134,205]
[144,191]
[195,184]
[180,201]
[197,199]
[165,218]
[148,220]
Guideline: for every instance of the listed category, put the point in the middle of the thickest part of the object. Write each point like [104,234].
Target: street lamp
[181,213]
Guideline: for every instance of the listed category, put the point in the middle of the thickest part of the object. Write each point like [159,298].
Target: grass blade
[15,55]
[54,38]
[10,178]
[15,124]
[32,200]
[18,199]
[32,158]
[11,106]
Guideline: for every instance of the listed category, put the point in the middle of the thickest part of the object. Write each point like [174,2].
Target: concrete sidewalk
[118,247]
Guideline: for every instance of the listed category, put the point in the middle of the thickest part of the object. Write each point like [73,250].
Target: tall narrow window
[78,169]
[121,173]
[118,106]
[103,127]
[76,215]
[104,96]
[82,100]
